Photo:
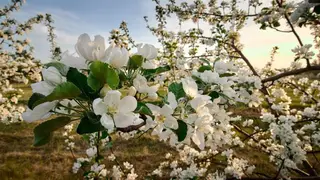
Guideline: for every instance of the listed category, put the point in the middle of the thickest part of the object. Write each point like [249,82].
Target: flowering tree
[17,63]
[186,99]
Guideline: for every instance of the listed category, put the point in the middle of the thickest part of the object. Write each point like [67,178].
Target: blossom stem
[73,109]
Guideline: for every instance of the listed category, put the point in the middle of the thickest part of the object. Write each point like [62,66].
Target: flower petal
[153,52]
[39,112]
[155,109]
[108,52]
[73,61]
[166,110]
[172,100]
[127,104]
[99,107]
[52,76]
[82,46]
[198,139]
[42,87]
[107,122]
[123,120]
[199,101]
[190,87]
[99,49]
[112,99]
[171,122]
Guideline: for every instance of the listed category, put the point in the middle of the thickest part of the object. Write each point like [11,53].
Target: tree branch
[292,28]
[246,60]
[132,127]
[291,73]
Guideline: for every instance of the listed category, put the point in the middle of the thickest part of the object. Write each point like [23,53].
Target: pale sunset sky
[74,17]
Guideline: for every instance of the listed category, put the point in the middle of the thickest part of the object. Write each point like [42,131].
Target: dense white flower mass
[303,52]
[198,93]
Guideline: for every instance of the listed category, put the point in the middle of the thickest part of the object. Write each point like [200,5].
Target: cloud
[70,24]
[257,43]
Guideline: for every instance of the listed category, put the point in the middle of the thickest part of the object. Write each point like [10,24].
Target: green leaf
[227,74]
[206,61]
[65,90]
[63,69]
[135,61]
[34,98]
[80,80]
[94,83]
[86,137]
[214,95]
[182,130]
[104,134]
[89,124]
[122,76]
[112,78]
[44,131]
[142,108]
[316,9]
[204,68]
[100,74]
[177,90]
[148,73]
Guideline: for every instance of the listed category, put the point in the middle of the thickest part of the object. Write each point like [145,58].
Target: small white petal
[100,47]
[123,120]
[154,109]
[82,46]
[73,61]
[107,122]
[172,100]
[171,122]
[198,139]
[39,112]
[99,107]
[52,76]
[199,101]
[112,99]
[42,87]
[190,87]
[166,110]
[127,104]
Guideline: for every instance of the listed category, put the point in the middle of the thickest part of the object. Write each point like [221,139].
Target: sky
[74,17]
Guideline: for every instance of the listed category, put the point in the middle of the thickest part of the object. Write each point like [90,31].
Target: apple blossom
[148,51]
[91,50]
[116,112]
[116,56]
[141,85]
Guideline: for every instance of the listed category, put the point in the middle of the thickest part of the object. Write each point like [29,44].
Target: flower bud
[153,96]
[104,90]
[132,91]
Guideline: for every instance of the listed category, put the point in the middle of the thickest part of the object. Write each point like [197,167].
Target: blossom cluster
[186,101]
